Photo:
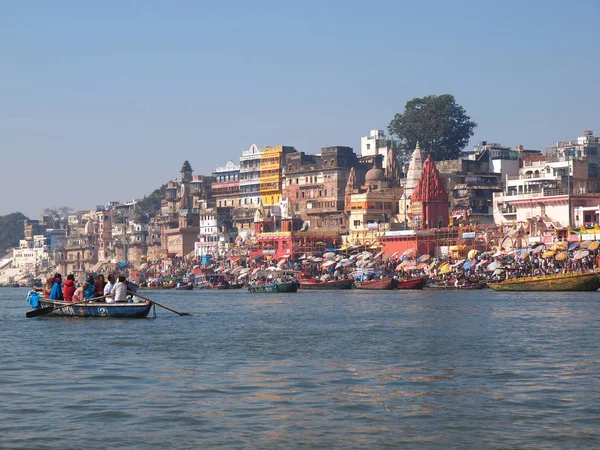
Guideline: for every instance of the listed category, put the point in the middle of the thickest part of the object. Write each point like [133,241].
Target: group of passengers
[99,290]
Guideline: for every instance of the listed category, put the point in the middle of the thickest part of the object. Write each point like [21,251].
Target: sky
[103,101]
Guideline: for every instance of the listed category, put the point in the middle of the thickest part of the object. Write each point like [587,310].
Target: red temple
[430,199]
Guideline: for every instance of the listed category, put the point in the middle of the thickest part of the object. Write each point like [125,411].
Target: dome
[374,175]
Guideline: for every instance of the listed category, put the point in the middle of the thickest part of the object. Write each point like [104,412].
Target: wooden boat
[185,287]
[451,286]
[289,286]
[326,285]
[574,281]
[380,284]
[98,309]
[412,283]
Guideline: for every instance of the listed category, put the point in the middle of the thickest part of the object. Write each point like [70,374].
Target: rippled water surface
[353,369]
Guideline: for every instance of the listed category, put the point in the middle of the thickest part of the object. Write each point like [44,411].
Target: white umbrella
[328,263]
[329,255]
[378,254]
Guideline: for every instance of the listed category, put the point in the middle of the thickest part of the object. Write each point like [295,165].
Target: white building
[376,144]
[32,255]
[555,190]
[250,176]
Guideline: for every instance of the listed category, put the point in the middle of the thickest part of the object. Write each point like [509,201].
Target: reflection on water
[354,369]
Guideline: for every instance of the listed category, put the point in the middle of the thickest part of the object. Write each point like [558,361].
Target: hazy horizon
[103,102]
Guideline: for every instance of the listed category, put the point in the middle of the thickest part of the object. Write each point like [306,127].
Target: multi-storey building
[271,170]
[377,143]
[554,190]
[250,176]
[226,187]
[315,186]
[33,254]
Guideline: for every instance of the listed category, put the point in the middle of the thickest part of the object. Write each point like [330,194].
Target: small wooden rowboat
[412,283]
[98,309]
[326,285]
[380,284]
[185,287]
[290,286]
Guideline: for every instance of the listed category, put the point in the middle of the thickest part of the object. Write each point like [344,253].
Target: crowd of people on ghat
[100,290]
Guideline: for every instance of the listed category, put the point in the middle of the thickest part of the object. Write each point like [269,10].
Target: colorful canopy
[423,258]
[561,256]
[548,254]
[472,253]
[593,246]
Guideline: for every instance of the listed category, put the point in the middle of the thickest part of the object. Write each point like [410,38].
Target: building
[555,190]
[271,170]
[226,187]
[471,187]
[377,143]
[315,186]
[373,207]
[250,176]
[429,205]
[33,254]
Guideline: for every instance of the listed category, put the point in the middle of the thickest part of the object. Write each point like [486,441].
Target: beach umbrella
[423,266]
[538,249]
[380,253]
[574,246]
[399,267]
[303,256]
[497,272]
[468,264]
[472,253]
[432,265]
[423,258]
[580,254]
[593,246]
[482,262]
[548,254]
[255,271]
[328,263]
[493,266]
[318,260]
[561,256]
[411,252]
[584,244]
[411,267]
[444,268]
[329,255]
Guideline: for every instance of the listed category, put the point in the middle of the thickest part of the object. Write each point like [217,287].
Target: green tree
[149,205]
[440,125]
[11,231]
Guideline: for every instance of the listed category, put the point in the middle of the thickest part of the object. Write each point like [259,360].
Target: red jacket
[68,290]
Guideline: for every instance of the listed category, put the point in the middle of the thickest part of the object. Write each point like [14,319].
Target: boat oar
[158,304]
[48,309]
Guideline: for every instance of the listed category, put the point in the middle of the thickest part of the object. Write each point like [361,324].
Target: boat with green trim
[572,281]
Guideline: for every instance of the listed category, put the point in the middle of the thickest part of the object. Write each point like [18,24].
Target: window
[357,223]
[368,146]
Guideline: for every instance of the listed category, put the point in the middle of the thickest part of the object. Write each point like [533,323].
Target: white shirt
[108,290]
[120,291]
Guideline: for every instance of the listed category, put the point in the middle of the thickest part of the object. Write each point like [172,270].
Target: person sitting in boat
[56,293]
[90,291]
[119,290]
[99,285]
[108,287]
[79,294]
[69,288]
[48,287]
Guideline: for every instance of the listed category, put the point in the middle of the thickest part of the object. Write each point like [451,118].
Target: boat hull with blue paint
[98,309]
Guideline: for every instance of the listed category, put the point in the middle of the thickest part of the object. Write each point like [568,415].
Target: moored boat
[451,286]
[288,286]
[412,283]
[98,309]
[573,281]
[380,284]
[185,287]
[326,285]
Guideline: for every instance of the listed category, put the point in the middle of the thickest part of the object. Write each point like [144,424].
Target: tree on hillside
[57,216]
[11,231]
[440,125]
[149,205]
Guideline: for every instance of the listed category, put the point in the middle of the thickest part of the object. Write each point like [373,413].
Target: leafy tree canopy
[149,205]
[440,125]
[11,231]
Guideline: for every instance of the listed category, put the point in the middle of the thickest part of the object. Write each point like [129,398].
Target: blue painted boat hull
[116,310]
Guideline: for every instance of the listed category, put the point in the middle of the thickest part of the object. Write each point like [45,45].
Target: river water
[354,369]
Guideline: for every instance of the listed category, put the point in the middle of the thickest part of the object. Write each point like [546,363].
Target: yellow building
[271,167]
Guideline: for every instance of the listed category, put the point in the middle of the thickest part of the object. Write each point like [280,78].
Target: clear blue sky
[102,101]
